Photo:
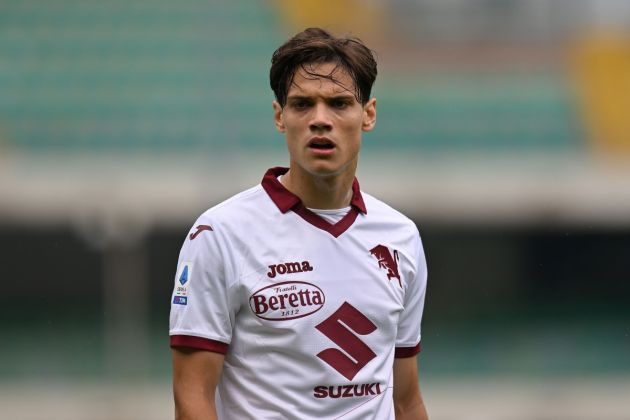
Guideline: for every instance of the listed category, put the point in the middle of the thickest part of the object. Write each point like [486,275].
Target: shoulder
[246,200]
[402,233]
[216,236]
[251,202]
[222,224]
[399,244]
[382,213]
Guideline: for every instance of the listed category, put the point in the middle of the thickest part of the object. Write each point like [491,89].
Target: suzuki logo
[341,328]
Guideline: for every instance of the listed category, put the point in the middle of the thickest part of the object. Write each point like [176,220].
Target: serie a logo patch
[184,274]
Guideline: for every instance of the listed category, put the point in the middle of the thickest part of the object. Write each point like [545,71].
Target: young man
[301,298]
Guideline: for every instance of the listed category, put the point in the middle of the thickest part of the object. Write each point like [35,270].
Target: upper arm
[203,304]
[195,377]
[414,270]
[201,318]
[406,385]
[408,401]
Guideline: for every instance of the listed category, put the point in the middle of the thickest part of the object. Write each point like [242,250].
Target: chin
[324,169]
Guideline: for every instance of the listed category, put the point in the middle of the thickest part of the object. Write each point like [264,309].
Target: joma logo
[200,228]
[289,268]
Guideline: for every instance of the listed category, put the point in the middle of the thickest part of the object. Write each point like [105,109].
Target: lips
[321,143]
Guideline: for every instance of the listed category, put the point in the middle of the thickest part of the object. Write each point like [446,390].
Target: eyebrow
[339,96]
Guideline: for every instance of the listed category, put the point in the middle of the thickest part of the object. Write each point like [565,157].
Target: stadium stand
[163,77]
[134,75]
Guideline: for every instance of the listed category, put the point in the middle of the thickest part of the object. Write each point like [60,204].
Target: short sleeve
[408,337]
[202,313]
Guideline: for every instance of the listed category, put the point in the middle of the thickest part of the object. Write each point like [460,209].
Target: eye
[300,104]
[339,103]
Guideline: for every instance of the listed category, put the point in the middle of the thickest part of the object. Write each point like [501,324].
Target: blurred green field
[508,346]
[510,369]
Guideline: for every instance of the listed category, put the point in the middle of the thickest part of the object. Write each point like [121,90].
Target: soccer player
[301,298]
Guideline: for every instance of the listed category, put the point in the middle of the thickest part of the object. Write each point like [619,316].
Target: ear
[278,118]
[369,115]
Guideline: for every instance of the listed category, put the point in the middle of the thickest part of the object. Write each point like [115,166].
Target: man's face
[323,121]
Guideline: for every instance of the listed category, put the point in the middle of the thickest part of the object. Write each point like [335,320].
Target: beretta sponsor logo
[287,300]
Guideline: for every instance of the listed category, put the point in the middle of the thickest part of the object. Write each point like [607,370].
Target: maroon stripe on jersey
[198,343]
[285,200]
[336,229]
[402,352]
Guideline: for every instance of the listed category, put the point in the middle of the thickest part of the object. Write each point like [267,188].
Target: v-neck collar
[285,200]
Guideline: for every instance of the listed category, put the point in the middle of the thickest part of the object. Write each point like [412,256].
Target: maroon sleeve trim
[198,343]
[402,352]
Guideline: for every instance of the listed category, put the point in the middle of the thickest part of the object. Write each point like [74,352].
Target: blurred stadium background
[504,132]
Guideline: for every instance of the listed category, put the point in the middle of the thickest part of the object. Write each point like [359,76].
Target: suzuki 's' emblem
[387,260]
[342,328]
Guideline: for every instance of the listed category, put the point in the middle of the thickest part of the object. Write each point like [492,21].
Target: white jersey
[310,315]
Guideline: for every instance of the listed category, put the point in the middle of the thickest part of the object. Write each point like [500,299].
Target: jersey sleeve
[202,310]
[408,337]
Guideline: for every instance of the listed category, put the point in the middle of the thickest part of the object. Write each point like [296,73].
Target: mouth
[321,143]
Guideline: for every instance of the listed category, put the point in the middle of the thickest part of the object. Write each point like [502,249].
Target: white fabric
[272,369]
[332,216]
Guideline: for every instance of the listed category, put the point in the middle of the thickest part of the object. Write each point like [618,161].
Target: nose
[320,120]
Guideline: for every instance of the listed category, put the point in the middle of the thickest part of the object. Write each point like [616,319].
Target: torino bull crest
[387,260]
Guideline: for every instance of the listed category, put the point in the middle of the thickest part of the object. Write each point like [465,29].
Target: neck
[320,192]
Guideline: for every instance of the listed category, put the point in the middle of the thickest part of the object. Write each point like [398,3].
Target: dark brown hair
[314,46]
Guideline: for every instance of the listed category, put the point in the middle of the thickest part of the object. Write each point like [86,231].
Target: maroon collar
[285,200]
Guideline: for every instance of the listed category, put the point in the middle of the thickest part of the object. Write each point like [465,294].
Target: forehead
[315,78]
